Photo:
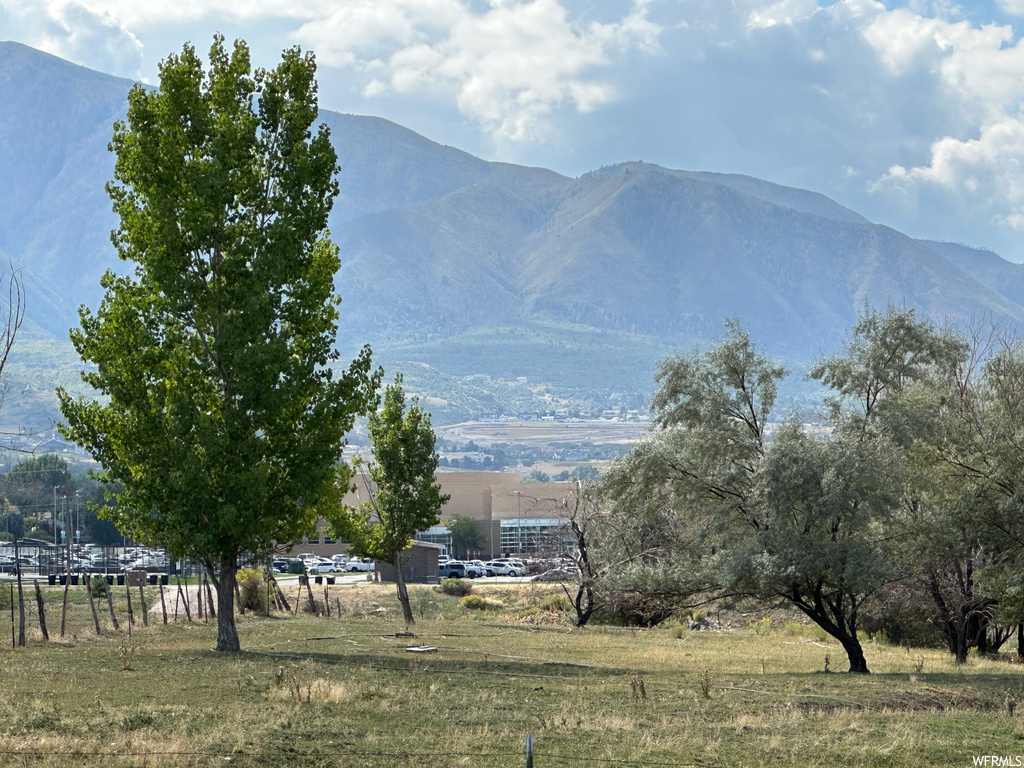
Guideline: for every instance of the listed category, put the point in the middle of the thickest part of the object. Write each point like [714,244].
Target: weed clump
[252,590]
[454,587]
[760,627]
[554,603]
[475,603]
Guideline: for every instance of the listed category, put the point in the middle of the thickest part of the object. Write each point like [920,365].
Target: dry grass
[344,691]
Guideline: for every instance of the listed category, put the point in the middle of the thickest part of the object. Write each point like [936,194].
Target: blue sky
[908,112]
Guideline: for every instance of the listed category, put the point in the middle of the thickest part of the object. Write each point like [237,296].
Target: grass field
[345,691]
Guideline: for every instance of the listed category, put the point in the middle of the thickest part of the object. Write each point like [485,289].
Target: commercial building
[511,517]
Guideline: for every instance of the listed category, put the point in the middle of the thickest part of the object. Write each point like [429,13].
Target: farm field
[543,433]
[345,691]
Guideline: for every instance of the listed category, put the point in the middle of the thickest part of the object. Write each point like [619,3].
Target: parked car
[505,568]
[453,569]
[357,565]
[281,564]
[475,569]
[322,566]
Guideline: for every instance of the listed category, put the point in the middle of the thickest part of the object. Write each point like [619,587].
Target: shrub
[554,602]
[454,587]
[475,603]
[794,629]
[252,590]
[817,633]
[761,627]
[679,631]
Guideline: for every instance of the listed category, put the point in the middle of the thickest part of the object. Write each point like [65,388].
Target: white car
[476,569]
[323,566]
[356,564]
[505,568]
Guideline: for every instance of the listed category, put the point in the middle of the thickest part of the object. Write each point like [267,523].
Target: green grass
[344,691]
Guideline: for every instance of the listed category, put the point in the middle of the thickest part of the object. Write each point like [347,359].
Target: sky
[911,113]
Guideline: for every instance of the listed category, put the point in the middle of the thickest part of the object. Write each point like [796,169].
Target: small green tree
[464,534]
[404,496]
[223,419]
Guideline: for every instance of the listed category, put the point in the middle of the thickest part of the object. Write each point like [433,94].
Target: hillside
[471,266]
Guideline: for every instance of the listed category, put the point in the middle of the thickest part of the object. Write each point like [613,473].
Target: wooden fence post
[163,603]
[92,604]
[199,596]
[184,597]
[131,616]
[142,600]
[42,611]
[21,598]
[64,606]
[210,610]
[110,605]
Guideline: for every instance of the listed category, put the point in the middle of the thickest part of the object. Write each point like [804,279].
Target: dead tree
[582,514]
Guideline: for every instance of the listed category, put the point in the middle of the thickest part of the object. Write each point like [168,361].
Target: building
[512,517]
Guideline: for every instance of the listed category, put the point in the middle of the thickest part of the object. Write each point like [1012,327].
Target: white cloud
[73,31]
[980,69]
[508,68]
[782,12]
[1015,7]
[977,63]
[988,171]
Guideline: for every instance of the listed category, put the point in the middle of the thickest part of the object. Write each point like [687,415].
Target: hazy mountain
[480,267]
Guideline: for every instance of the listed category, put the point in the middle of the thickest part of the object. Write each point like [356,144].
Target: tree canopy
[798,516]
[223,417]
[464,533]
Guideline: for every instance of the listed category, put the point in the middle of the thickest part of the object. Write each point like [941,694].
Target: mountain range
[476,267]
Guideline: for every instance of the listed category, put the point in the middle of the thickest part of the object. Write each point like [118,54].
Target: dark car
[452,570]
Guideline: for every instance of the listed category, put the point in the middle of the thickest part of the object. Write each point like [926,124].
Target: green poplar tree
[404,496]
[222,418]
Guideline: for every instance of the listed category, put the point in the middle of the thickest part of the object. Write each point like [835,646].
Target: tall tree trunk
[227,632]
[583,604]
[403,593]
[836,618]
[858,664]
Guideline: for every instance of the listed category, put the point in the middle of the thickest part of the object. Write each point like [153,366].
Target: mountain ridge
[467,264]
